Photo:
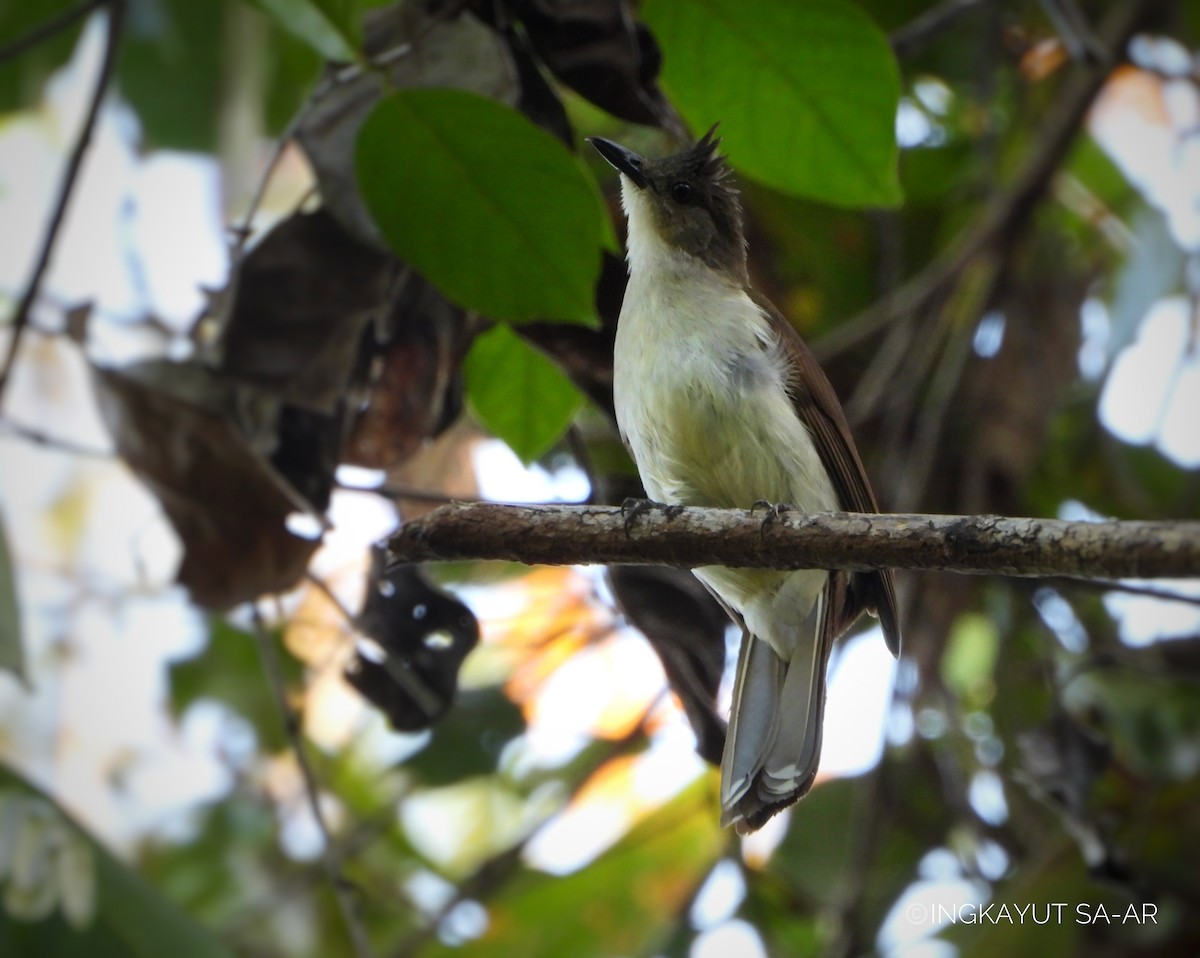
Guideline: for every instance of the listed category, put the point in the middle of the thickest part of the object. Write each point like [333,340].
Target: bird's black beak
[622,160]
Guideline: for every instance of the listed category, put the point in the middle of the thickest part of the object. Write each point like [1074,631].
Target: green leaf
[623,903]
[170,69]
[331,27]
[492,209]
[12,654]
[519,394]
[806,92]
[132,919]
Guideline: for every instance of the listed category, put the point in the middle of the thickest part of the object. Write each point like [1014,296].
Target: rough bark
[979,545]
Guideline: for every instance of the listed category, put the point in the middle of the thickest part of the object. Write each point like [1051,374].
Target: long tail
[774,741]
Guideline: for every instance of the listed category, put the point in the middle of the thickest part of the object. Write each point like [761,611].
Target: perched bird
[721,404]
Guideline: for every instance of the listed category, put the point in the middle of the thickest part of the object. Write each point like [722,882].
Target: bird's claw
[773,511]
[633,509]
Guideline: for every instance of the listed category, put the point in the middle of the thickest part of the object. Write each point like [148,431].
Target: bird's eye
[682,192]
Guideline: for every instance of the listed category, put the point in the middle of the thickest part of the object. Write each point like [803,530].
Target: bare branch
[116,15]
[686,538]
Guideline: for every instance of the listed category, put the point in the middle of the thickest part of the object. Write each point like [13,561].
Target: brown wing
[818,407]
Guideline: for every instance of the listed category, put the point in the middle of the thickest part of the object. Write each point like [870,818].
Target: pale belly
[729,447]
[726,447]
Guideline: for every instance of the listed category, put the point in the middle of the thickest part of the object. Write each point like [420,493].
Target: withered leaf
[415,387]
[185,432]
[302,300]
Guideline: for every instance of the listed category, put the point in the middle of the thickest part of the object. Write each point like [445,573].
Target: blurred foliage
[622,903]
[12,653]
[331,27]
[44,857]
[1034,757]
[229,672]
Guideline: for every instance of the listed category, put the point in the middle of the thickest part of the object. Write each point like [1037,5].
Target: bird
[721,404]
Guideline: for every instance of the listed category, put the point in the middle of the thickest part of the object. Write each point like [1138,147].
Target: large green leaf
[806,92]
[492,209]
[131,920]
[12,653]
[623,903]
[518,393]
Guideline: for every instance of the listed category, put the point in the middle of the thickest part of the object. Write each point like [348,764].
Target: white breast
[700,392]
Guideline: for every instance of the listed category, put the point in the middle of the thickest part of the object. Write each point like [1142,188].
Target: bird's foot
[633,509]
[773,511]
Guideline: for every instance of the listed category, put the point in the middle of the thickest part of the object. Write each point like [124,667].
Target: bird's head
[684,203]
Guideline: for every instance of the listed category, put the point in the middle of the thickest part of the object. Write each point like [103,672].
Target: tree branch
[686,538]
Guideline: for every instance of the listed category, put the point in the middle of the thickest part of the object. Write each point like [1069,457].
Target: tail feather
[774,741]
[753,721]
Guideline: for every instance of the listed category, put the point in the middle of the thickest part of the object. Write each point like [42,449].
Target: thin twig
[912,38]
[116,15]
[352,71]
[47,29]
[243,231]
[387,491]
[1129,588]
[292,884]
[342,890]
[52,442]
[1011,208]
[323,587]
[322,89]
[1075,31]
